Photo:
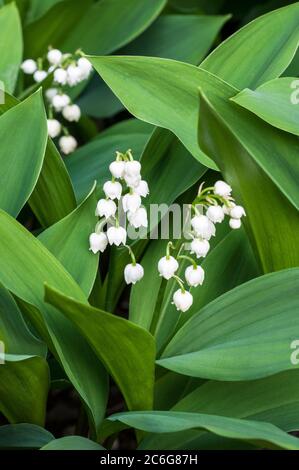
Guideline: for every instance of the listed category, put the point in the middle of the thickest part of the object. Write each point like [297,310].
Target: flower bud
[60,76]
[226,209]
[222,189]
[215,214]
[117,235]
[60,101]
[200,247]
[235,223]
[74,75]
[132,181]
[40,75]
[142,189]
[237,212]
[98,242]
[68,144]
[85,67]
[54,56]
[54,128]
[133,273]
[167,266]
[112,189]
[106,208]
[139,218]
[131,202]
[203,227]
[29,66]
[50,93]
[133,168]
[194,276]
[71,113]
[182,300]
[117,169]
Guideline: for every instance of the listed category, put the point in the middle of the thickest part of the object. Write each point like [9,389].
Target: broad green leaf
[127,350]
[68,25]
[23,436]
[260,433]
[276,102]
[38,9]
[194,36]
[70,236]
[72,443]
[245,334]
[91,162]
[20,250]
[254,55]
[11,46]
[22,152]
[24,383]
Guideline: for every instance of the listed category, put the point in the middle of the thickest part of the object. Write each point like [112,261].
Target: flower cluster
[66,70]
[217,202]
[126,188]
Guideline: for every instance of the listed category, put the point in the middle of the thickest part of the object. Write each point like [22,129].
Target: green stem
[180,282]
[189,259]
[131,254]
[170,245]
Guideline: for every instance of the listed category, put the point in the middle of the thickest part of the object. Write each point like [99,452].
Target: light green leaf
[69,237]
[249,58]
[72,443]
[276,102]
[22,152]
[23,436]
[127,350]
[263,434]
[11,46]
[242,335]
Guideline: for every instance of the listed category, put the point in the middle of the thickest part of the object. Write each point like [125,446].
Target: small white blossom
[132,181]
[71,113]
[215,214]
[50,93]
[60,76]
[54,128]
[222,189]
[98,242]
[203,227]
[60,101]
[29,66]
[133,168]
[139,218]
[194,276]
[68,144]
[133,273]
[85,67]
[167,266]
[237,212]
[106,208]
[131,202]
[117,235]
[54,56]
[226,209]
[117,169]
[74,75]
[182,300]
[40,75]
[200,247]
[112,189]
[235,223]
[142,189]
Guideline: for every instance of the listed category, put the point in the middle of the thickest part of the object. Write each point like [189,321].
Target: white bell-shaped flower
[71,113]
[167,266]
[74,75]
[60,76]
[68,144]
[139,218]
[117,169]
[133,273]
[133,168]
[215,214]
[227,208]
[182,300]
[194,275]
[85,67]
[132,181]
[142,189]
[237,212]
[60,101]
[200,247]
[235,223]
[112,189]
[40,75]
[222,189]
[54,56]
[98,242]
[106,208]
[29,66]
[203,227]
[54,128]
[50,93]
[117,236]
[131,202]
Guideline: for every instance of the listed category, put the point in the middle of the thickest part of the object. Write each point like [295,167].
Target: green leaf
[242,335]
[25,148]
[70,235]
[127,350]
[72,443]
[23,436]
[20,250]
[263,434]
[233,60]
[11,46]
[67,25]
[275,102]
